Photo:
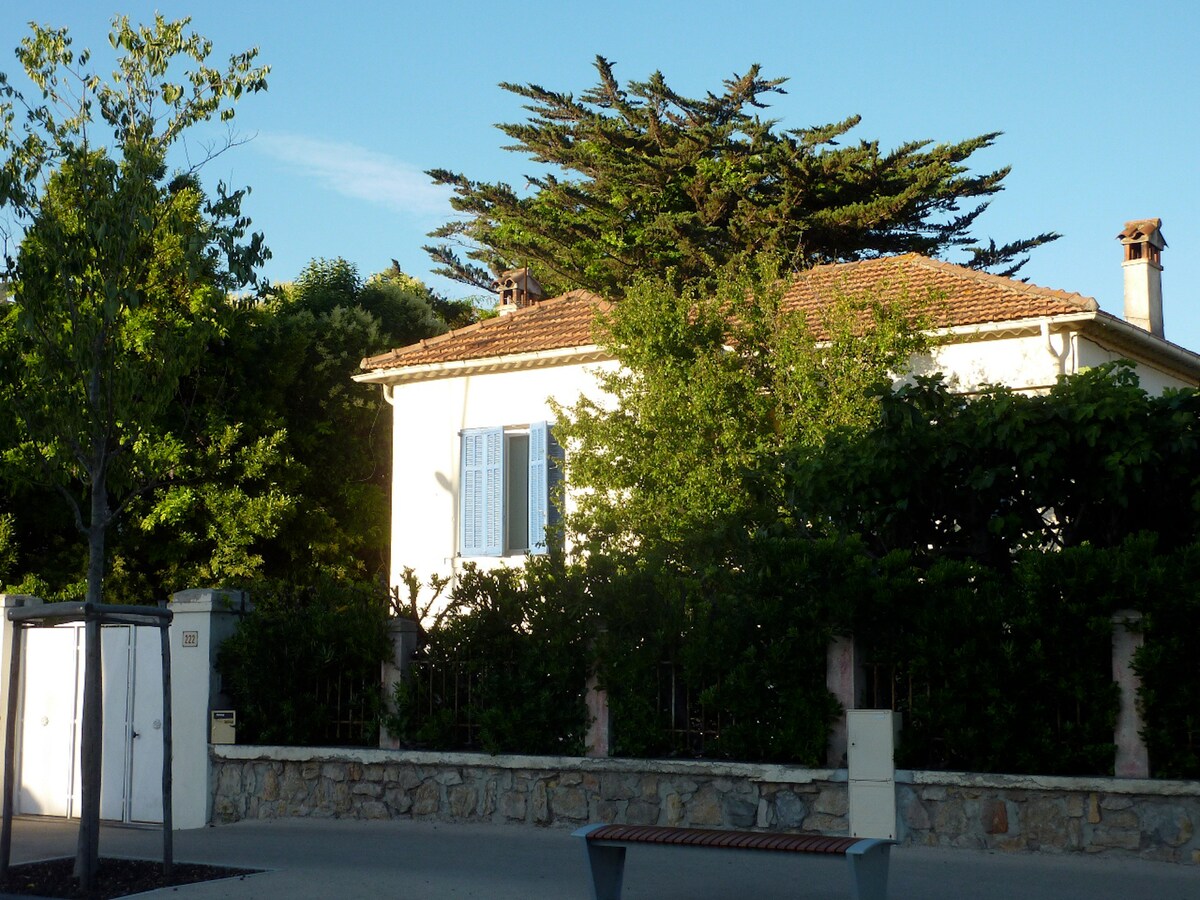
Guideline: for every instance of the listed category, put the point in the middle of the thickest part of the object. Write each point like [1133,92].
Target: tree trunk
[168,751]
[92,744]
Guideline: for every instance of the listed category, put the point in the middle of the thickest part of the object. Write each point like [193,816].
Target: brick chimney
[1143,243]
[517,289]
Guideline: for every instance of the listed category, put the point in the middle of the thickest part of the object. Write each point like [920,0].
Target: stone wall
[1120,817]
[1123,817]
[271,782]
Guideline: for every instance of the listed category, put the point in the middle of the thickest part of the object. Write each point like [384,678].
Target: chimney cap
[1143,231]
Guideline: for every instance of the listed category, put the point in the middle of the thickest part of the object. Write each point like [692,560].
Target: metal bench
[605,848]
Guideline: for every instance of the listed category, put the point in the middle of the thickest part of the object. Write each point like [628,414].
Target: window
[507,486]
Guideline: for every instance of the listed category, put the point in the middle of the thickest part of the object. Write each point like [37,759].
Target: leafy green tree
[639,179]
[121,264]
[285,469]
[116,277]
[290,474]
[716,392]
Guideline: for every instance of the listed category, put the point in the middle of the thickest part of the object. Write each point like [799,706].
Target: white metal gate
[48,775]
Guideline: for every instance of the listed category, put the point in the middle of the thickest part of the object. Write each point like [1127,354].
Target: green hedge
[506,672]
[288,660]
[994,670]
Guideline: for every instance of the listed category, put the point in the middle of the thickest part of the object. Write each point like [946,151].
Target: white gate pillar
[203,620]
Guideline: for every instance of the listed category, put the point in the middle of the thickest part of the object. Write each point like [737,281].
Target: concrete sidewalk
[416,860]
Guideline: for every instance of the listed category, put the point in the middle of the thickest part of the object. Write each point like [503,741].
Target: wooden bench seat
[605,848]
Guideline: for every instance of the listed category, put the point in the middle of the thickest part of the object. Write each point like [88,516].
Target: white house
[471,446]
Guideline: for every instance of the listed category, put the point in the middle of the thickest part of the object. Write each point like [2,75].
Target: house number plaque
[191,639]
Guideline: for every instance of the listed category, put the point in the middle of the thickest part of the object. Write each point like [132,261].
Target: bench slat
[707,837]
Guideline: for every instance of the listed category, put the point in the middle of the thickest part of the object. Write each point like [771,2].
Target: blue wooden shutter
[481,488]
[493,532]
[545,471]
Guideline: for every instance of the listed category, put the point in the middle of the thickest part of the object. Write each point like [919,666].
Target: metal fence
[350,707]
[441,695]
[889,687]
[443,707]
[694,727]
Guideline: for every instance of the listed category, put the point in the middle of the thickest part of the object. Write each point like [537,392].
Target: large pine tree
[643,179]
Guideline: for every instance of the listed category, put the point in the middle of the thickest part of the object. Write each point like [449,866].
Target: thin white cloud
[357,172]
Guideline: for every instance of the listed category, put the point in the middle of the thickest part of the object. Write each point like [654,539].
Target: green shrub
[303,668]
[997,672]
[1167,663]
[505,671]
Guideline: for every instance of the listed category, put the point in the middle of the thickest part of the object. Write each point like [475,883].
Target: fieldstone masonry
[1152,819]
[274,782]
[1123,817]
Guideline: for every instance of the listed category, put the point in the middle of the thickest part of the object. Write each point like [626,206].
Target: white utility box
[871,758]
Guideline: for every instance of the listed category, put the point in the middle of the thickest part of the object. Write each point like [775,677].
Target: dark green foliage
[746,644]
[280,462]
[644,607]
[994,673]
[120,266]
[1092,461]
[978,551]
[1169,662]
[303,667]
[515,643]
[642,179]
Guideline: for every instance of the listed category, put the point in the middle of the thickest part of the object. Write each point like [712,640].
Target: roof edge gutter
[460,367]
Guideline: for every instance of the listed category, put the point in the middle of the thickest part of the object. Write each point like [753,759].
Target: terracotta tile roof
[963,296]
[553,324]
[966,297]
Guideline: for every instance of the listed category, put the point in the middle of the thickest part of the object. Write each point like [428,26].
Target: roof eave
[1103,328]
[458,368]
[1141,346]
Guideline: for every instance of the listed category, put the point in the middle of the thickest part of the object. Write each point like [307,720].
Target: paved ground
[407,860]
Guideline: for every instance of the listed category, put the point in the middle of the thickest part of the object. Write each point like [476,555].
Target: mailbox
[223,726]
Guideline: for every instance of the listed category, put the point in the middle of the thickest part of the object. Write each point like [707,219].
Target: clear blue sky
[1099,103]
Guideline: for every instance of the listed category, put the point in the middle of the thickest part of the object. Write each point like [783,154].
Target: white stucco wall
[1031,362]
[428,417]
[1153,380]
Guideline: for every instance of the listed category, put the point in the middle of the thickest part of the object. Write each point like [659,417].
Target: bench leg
[607,868]
[869,870]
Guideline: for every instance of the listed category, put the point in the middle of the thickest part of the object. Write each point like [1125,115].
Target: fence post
[403,634]
[1132,756]
[844,678]
[598,741]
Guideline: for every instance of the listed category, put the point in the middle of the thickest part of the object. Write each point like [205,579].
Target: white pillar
[598,740]
[203,620]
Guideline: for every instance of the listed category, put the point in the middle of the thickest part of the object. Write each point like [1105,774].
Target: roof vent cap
[517,289]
